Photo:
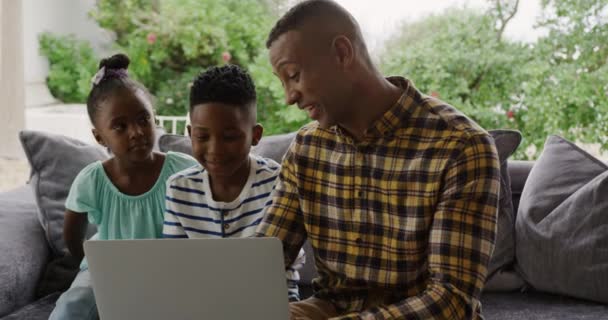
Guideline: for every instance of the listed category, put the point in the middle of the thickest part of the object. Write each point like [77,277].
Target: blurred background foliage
[555,85]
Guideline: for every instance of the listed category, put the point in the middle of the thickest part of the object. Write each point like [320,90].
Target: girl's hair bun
[117,61]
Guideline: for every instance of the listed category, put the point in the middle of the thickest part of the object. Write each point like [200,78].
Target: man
[396,191]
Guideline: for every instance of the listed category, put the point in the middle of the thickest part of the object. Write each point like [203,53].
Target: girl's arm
[74,229]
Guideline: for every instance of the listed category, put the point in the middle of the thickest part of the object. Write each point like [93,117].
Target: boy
[226,195]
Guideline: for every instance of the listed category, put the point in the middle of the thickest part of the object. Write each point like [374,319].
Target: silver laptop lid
[184,279]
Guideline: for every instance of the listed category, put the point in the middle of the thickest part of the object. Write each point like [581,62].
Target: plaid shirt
[402,222]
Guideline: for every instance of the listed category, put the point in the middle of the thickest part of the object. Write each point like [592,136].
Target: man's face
[310,77]
[222,136]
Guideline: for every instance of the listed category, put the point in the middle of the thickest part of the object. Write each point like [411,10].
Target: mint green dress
[121,216]
[117,216]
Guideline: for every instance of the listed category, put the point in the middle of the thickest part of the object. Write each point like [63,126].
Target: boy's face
[222,136]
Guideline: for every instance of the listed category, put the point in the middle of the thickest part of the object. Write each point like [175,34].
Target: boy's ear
[256,136]
[98,137]
[189,127]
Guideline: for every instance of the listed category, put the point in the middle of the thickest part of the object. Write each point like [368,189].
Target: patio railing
[173,121]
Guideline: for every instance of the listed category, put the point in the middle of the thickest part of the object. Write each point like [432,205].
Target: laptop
[219,279]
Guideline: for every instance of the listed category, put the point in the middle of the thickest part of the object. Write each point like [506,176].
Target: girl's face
[124,124]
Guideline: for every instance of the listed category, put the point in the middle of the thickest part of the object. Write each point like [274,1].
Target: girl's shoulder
[90,171]
[178,161]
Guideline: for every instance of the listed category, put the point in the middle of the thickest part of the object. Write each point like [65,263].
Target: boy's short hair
[228,84]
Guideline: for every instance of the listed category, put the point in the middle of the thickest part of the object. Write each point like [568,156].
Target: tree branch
[504,20]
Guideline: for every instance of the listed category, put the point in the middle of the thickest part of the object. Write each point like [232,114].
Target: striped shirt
[191,211]
[403,222]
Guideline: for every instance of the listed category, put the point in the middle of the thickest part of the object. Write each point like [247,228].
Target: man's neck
[376,97]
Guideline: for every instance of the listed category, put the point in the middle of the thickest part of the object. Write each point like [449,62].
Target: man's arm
[284,219]
[461,239]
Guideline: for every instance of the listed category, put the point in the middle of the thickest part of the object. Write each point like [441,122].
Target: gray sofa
[28,265]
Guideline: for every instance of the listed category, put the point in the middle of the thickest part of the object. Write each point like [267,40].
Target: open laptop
[219,279]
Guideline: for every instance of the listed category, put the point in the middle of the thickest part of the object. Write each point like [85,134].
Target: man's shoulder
[447,119]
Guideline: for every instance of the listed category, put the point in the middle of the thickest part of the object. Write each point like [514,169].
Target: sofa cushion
[562,225]
[38,310]
[23,249]
[506,142]
[55,161]
[539,306]
[273,147]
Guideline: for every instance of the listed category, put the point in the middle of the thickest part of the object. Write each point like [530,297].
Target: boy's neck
[227,189]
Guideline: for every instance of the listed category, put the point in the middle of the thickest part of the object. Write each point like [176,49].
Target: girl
[124,195]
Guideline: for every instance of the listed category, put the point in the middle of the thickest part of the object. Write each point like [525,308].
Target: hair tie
[108,73]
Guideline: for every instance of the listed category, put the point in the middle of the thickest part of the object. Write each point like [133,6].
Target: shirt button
[226,226]
[225,212]
[358,240]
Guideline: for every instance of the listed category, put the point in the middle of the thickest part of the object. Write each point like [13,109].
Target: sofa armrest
[23,246]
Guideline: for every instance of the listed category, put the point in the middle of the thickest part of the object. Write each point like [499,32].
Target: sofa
[34,269]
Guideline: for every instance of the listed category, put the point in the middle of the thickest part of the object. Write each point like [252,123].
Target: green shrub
[557,85]
[72,64]
[169,42]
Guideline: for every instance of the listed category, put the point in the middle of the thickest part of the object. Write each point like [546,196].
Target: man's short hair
[302,13]
[228,84]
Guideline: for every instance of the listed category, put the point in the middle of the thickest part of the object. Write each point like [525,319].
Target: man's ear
[344,50]
[189,127]
[98,137]
[257,132]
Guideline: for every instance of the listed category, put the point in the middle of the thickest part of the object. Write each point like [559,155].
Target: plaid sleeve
[283,219]
[461,239]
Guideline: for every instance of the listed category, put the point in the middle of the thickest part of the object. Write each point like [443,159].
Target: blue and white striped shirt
[191,211]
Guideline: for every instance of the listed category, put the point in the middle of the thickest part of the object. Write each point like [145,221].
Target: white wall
[60,17]
[12,104]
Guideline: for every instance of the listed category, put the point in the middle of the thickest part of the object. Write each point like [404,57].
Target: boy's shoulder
[185,176]
[265,166]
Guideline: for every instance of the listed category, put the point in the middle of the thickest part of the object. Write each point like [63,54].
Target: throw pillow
[273,147]
[506,142]
[55,161]
[561,228]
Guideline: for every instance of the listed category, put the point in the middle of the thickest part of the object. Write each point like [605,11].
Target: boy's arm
[293,276]
[172,227]
[74,230]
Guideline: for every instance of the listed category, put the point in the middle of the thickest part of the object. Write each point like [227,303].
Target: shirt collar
[394,118]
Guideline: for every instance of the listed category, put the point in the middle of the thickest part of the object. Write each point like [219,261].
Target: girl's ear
[98,137]
[256,136]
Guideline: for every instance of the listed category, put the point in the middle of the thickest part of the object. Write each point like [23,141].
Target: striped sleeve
[293,276]
[284,219]
[172,227]
[461,239]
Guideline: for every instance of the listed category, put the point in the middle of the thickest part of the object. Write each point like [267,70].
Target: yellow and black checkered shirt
[402,222]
